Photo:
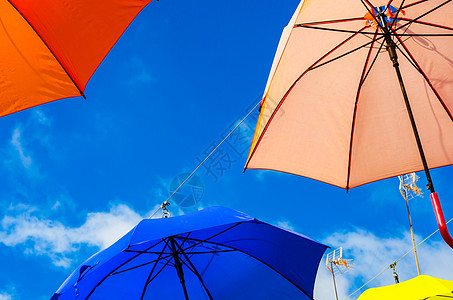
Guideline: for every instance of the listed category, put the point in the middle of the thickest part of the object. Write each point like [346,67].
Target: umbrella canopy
[360,91]
[422,287]
[216,253]
[333,109]
[50,49]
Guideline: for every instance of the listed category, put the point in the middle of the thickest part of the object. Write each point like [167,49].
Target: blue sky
[77,174]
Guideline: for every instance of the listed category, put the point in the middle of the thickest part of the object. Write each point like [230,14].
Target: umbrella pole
[391,49]
[178,266]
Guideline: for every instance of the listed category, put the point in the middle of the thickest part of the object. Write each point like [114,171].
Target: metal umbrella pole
[391,49]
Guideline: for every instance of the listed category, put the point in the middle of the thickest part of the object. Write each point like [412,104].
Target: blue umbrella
[215,253]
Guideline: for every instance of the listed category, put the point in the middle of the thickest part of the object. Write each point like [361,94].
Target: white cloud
[16,141]
[286,224]
[40,117]
[373,254]
[4,296]
[41,236]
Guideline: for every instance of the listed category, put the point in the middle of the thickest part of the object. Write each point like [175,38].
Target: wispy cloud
[16,142]
[27,138]
[42,236]
[40,117]
[4,296]
[373,254]
[286,224]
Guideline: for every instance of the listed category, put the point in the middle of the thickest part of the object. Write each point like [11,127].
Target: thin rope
[166,202]
[395,262]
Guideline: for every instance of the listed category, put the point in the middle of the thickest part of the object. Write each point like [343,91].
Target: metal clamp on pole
[165,212]
[395,275]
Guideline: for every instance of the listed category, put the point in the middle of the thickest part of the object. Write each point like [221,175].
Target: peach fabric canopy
[50,49]
[333,109]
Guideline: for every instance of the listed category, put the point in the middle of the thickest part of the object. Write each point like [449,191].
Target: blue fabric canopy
[215,253]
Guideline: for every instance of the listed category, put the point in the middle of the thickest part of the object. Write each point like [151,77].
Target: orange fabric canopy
[50,49]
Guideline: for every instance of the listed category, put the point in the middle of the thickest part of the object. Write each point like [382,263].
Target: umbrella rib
[425,23]
[144,252]
[349,52]
[395,18]
[423,15]
[263,262]
[161,269]
[48,47]
[329,22]
[426,34]
[152,270]
[420,70]
[193,252]
[139,266]
[170,255]
[374,61]
[206,240]
[367,2]
[194,270]
[415,3]
[359,89]
[335,29]
[122,264]
[292,86]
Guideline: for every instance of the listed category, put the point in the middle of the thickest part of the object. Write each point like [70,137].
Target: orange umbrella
[50,49]
[337,108]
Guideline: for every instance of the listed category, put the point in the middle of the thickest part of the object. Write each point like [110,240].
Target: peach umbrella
[50,49]
[360,91]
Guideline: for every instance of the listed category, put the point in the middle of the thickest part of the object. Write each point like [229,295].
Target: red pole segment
[441,220]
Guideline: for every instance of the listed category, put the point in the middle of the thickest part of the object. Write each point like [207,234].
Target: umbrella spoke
[140,265]
[261,261]
[119,266]
[425,23]
[351,51]
[367,3]
[395,18]
[337,29]
[364,75]
[211,251]
[193,269]
[294,84]
[211,237]
[423,15]
[373,62]
[161,269]
[420,70]
[152,270]
[329,22]
[146,252]
[414,3]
